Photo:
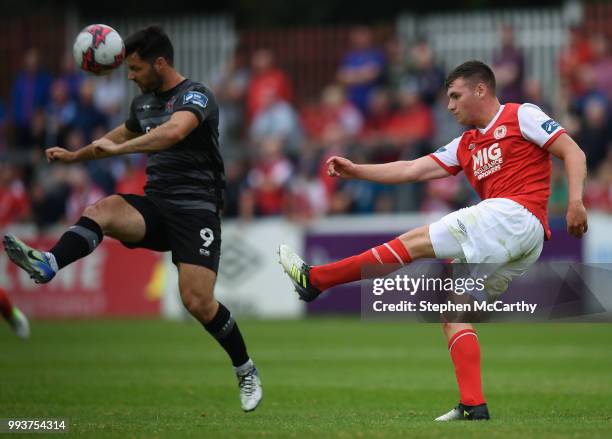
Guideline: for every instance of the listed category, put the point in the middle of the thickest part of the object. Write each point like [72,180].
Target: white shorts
[498,233]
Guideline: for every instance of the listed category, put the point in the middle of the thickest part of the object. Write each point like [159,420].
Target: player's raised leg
[111,216]
[465,353]
[310,281]
[196,285]
[13,316]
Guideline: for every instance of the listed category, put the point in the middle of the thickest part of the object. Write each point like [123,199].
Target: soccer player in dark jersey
[175,121]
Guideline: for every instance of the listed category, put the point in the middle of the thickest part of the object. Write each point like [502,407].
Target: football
[98,49]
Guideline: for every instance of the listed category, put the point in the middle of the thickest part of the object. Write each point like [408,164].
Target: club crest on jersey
[550,126]
[487,161]
[500,132]
[195,98]
[170,104]
[471,146]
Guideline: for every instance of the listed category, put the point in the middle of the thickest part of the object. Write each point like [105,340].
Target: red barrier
[112,281]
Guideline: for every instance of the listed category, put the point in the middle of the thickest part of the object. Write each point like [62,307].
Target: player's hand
[105,146]
[60,154]
[341,167]
[576,219]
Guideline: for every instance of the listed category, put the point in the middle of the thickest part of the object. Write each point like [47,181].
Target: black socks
[224,328]
[79,241]
[82,238]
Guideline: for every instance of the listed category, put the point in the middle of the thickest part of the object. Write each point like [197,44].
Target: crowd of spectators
[386,102]
[69,110]
[586,69]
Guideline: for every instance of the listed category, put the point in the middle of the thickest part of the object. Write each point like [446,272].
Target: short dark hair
[473,71]
[150,43]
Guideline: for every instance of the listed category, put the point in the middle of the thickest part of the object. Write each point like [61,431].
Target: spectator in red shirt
[599,189]
[267,181]
[577,54]
[334,108]
[307,197]
[265,79]
[14,204]
[380,114]
[443,196]
[413,122]
[83,193]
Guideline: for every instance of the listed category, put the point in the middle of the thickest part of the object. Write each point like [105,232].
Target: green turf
[338,378]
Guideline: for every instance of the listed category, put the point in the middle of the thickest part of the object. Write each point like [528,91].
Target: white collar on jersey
[484,130]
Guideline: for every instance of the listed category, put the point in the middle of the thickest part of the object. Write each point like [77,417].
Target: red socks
[6,308]
[465,352]
[348,270]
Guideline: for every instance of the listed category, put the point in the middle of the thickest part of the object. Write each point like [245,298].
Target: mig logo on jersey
[170,104]
[487,161]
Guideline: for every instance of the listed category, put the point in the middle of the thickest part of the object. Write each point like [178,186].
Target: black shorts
[192,235]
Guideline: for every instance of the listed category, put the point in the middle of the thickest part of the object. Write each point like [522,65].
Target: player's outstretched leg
[299,273]
[14,317]
[196,285]
[111,216]
[39,265]
[465,353]
[311,281]
[77,242]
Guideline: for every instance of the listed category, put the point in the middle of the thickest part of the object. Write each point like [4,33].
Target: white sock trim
[455,340]
[394,254]
[376,255]
[245,368]
[52,261]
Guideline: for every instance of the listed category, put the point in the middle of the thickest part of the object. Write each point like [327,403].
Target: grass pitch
[339,378]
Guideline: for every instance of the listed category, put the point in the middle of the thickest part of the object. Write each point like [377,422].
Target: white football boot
[466,413]
[19,323]
[251,391]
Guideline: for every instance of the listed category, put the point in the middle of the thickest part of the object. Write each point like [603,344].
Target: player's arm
[421,169]
[574,159]
[168,134]
[119,134]
[441,163]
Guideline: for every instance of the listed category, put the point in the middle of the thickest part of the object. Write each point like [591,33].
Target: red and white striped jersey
[508,158]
